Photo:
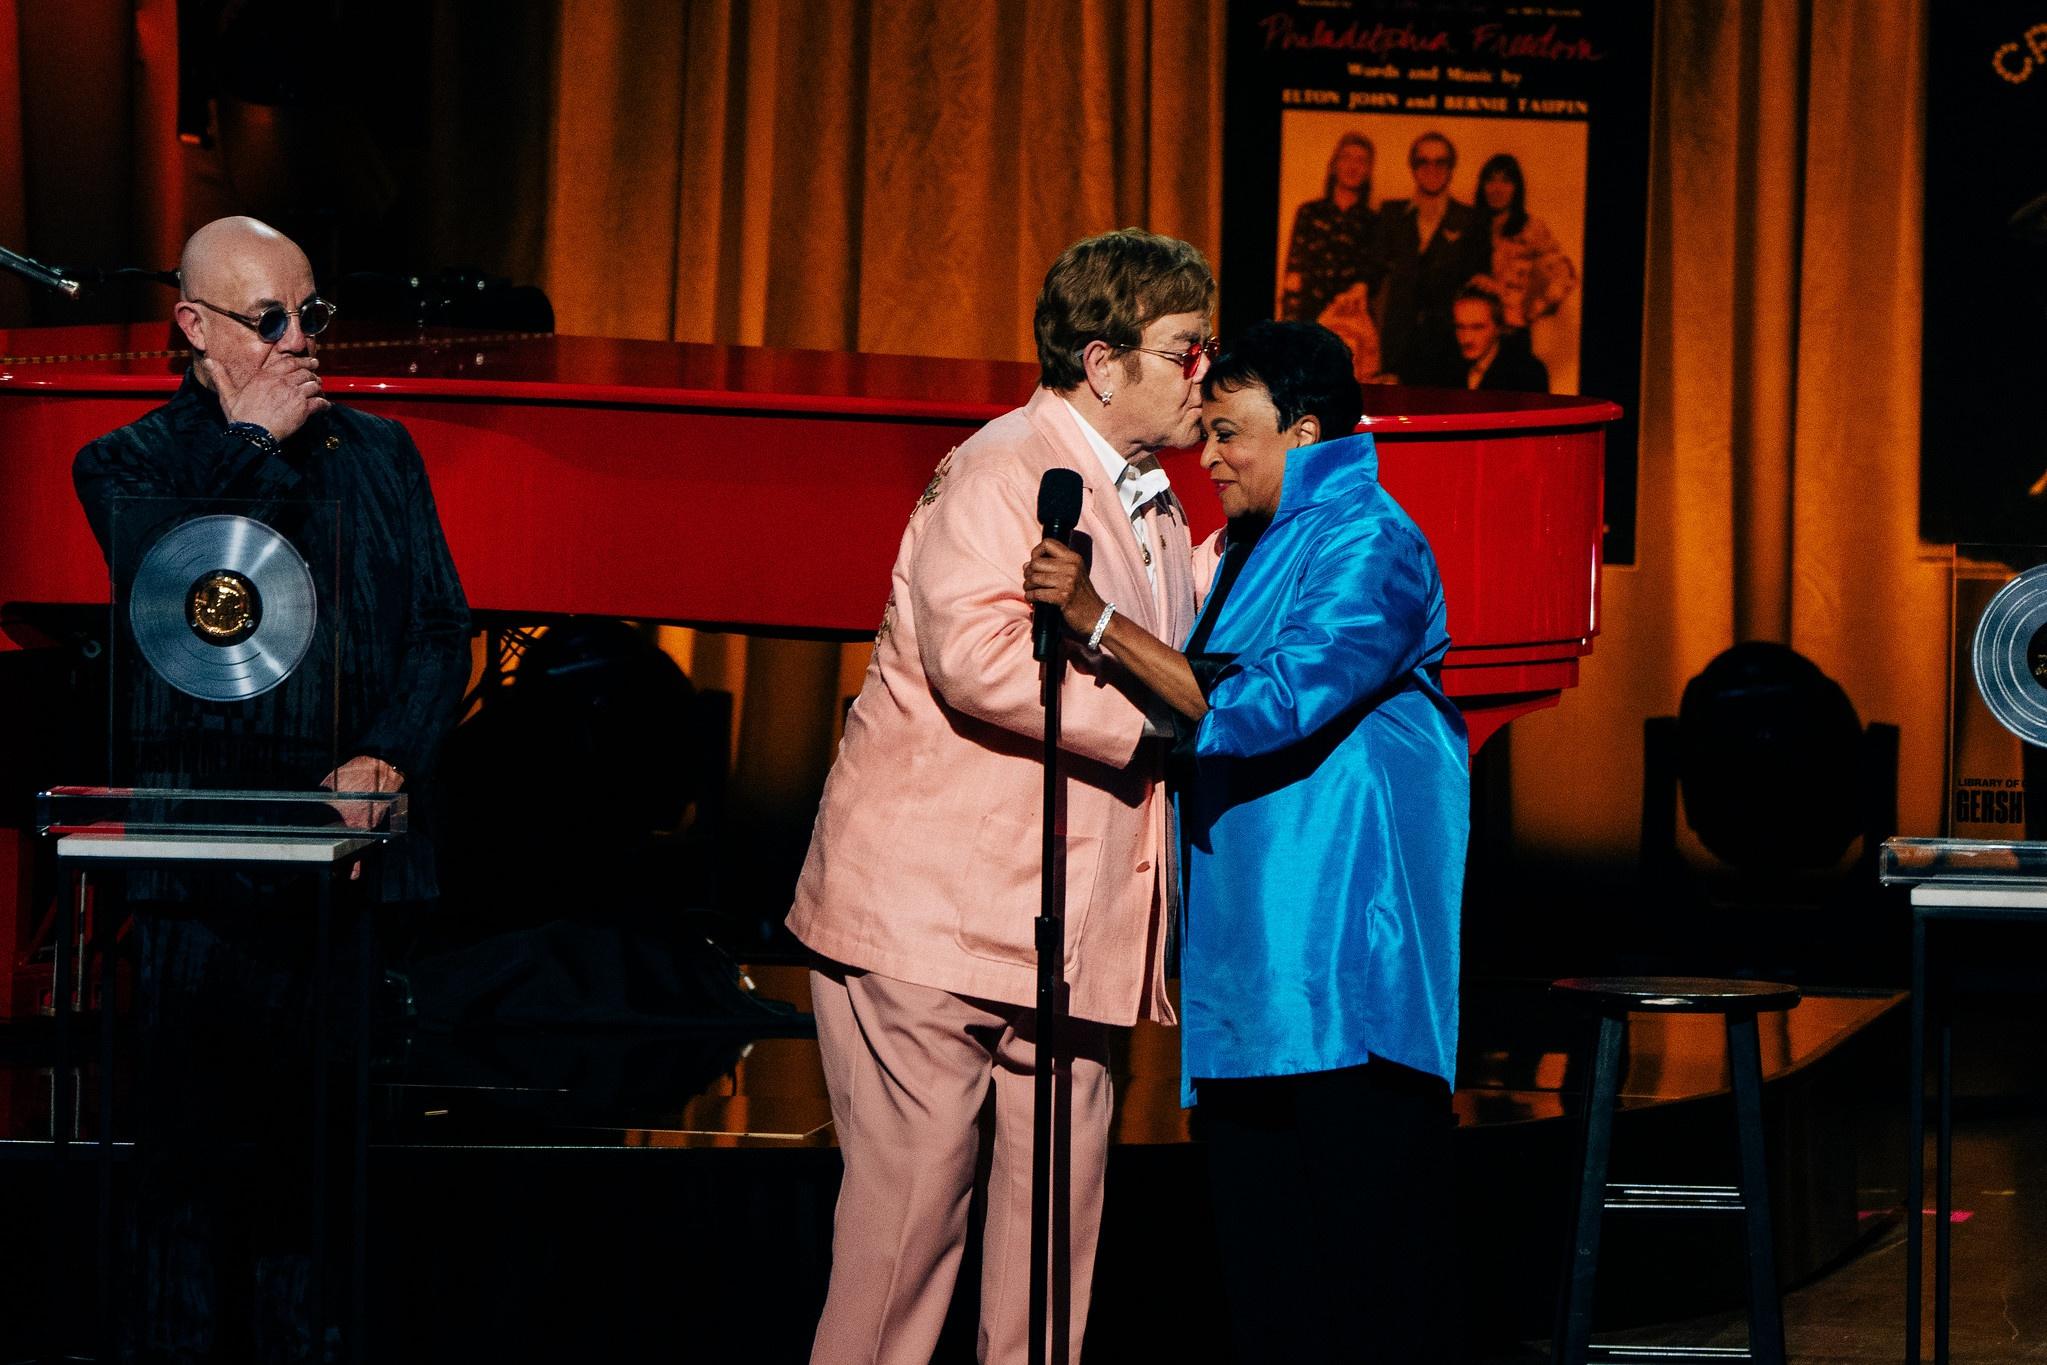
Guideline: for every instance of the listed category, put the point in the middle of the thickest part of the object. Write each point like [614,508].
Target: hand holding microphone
[1056,578]
[1059,495]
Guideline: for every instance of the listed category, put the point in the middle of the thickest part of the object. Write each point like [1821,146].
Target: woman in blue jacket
[1324,809]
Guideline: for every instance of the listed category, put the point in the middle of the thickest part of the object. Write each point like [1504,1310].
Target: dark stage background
[1983,457]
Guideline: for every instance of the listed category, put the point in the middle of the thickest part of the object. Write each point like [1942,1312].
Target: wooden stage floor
[1521,1063]
[633,1196]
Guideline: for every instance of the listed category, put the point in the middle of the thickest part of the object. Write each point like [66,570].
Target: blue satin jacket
[1324,825]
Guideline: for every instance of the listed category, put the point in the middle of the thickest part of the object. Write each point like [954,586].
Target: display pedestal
[103,831]
[1955,883]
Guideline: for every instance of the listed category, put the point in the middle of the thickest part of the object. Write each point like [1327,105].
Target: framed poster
[1983,445]
[1458,188]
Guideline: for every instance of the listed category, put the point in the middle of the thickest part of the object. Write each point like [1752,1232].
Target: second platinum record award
[2011,656]
[223,608]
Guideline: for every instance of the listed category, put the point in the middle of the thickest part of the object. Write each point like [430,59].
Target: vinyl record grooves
[2011,656]
[223,608]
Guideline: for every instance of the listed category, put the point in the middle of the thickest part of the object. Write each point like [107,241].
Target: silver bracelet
[1094,639]
[257,436]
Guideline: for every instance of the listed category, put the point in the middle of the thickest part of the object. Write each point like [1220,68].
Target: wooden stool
[1612,999]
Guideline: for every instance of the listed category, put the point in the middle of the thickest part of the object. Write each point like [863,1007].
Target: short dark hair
[1110,288]
[1304,368]
[1414,147]
[1474,293]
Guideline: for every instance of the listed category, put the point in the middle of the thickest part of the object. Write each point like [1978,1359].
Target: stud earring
[1105,395]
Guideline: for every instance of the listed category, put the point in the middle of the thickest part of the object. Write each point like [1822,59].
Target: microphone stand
[1051,945]
[74,282]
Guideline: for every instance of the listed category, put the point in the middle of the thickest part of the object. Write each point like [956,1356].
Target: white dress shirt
[1136,483]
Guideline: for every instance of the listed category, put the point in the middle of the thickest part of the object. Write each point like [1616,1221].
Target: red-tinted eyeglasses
[1190,360]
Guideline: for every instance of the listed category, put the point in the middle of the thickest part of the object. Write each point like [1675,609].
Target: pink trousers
[910,1070]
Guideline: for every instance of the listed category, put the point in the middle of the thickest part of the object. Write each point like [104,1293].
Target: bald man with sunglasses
[223,1242]
[253,422]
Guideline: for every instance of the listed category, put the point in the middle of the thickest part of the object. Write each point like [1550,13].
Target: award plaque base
[102,832]
[1955,883]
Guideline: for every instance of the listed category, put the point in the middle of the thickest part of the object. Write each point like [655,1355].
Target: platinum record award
[2010,656]
[223,608]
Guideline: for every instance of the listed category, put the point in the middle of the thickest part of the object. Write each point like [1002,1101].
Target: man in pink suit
[922,881]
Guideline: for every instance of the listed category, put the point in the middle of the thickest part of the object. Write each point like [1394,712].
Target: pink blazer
[924,863]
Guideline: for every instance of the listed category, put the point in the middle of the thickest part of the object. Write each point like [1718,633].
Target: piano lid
[558,368]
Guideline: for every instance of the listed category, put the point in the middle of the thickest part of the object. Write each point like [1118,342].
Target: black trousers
[1333,1208]
[219,1256]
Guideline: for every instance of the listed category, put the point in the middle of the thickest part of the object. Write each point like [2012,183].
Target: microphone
[1059,494]
[38,273]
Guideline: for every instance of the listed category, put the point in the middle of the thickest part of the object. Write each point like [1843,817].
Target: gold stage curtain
[895,177]
[891,176]
[1780,408]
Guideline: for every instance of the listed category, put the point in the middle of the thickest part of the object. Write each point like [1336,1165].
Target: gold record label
[223,607]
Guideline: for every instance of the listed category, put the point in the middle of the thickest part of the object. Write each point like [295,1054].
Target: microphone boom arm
[35,272]
[73,282]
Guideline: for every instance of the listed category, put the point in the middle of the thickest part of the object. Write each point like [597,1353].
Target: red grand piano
[752,489]
[764,490]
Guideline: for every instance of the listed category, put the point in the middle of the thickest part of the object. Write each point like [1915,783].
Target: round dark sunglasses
[272,323]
